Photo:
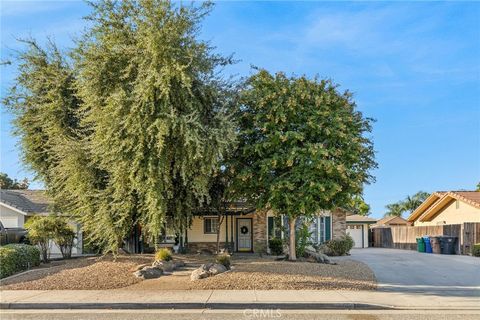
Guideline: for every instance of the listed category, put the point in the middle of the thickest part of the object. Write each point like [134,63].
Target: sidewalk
[231,299]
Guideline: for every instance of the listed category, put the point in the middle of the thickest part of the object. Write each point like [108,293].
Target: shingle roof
[360,218]
[28,201]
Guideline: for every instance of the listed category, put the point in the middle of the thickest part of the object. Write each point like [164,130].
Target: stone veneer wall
[339,224]
[260,241]
[194,247]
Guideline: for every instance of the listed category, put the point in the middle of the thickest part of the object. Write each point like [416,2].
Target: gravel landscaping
[267,274]
[247,273]
[80,274]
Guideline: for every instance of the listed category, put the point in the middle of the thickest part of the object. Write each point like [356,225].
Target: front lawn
[247,273]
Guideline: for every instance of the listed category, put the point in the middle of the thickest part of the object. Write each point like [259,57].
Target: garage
[358,227]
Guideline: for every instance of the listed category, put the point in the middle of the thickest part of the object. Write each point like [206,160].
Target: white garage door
[356,233]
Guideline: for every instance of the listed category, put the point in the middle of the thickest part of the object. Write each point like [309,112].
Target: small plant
[339,247]
[476,250]
[41,230]
[64,236]
[223,259]
[276,246]
[302,240]
[163,254]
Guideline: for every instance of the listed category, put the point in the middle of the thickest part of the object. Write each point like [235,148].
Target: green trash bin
[420,245]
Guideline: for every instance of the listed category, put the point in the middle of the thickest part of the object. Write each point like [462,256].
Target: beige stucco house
[447,207]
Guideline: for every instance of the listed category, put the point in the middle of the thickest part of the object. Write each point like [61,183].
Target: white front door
[356,232]
[244,234]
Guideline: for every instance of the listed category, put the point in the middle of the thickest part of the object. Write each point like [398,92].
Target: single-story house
[358,228]
[17,206]
[447,207]
[245,229]
[391,221]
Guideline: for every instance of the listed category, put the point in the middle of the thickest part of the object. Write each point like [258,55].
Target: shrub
[302,240]
[476,250]
[339,247]
[40,232]
[276,246]
[163,254]
[223,259]
[64,236]
[17,257]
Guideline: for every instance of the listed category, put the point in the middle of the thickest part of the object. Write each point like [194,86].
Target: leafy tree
[357,205]
[8,183]
[129,126]
[303,146]
[395,209]
[41,230]
[478,187]
[409,204]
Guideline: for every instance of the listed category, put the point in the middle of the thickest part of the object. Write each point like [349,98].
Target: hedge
[476,250]
[17,257]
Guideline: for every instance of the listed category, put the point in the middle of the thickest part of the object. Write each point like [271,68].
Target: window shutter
[328,233]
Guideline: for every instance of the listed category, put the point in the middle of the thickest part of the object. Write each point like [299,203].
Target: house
[391,221]
[17,206]
[358,227]
[245,229]
[447,207]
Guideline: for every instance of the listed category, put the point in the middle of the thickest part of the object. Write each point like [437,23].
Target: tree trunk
[292,255]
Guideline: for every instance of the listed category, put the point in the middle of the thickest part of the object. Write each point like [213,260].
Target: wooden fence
[402,237]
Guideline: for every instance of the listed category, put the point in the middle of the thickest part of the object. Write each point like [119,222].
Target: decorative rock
[148,273]
[179,264]
[199,273]
[216,269]
[207,270]
[166,266]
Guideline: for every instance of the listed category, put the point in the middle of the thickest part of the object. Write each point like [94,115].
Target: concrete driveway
[411,271]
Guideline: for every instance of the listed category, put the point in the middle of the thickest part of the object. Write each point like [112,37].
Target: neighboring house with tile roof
[390,221]
[447,207]
[17,206]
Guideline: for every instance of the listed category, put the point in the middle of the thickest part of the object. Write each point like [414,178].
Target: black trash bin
[448,244]
[435,243]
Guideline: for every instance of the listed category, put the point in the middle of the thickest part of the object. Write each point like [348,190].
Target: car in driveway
[412,271]
[12,235]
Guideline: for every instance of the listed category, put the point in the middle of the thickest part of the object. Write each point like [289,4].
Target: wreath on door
[244,230]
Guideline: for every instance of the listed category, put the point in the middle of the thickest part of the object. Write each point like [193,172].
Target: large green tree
[303,146]
[128,127]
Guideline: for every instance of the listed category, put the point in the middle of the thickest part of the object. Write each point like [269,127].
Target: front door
[244,234]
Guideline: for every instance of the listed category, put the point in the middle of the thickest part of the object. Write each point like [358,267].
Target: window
[210,225]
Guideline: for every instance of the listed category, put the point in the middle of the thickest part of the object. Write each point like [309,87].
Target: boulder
[199,273]
[179,264]
[166,266]
[148,273]
[322,258]
[216,269]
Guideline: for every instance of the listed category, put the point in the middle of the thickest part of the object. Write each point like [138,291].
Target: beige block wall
[196,234]
[453,215]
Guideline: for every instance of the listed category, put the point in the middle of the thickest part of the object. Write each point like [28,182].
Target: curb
[196,305]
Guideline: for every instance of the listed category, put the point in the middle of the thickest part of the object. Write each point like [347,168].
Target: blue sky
[414,67]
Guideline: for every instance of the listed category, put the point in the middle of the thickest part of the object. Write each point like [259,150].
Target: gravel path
[247,273]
